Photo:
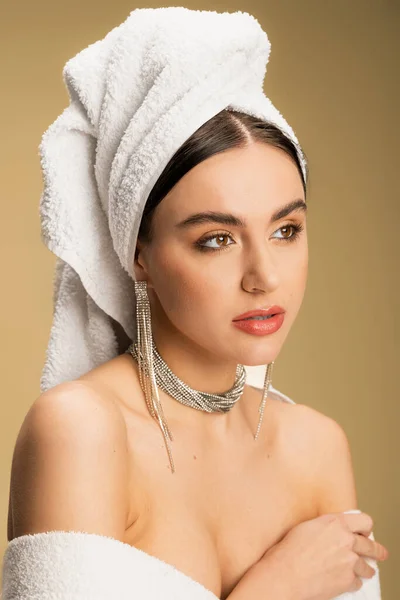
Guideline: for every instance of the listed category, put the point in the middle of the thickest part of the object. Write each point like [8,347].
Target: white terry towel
[61,565]
[135,97]
[371,588]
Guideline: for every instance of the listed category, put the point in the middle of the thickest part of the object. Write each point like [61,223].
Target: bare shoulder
[312,429]
[70,464]
[320,450]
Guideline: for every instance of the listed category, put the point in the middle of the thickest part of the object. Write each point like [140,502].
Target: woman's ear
[140,266]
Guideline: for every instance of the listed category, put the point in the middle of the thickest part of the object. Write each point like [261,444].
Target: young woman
[215,513]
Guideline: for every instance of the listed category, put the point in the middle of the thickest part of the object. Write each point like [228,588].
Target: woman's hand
[324,557]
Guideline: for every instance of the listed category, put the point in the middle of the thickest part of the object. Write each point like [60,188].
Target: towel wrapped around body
[68,565]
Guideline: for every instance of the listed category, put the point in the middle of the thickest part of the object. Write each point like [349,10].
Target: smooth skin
[89,457]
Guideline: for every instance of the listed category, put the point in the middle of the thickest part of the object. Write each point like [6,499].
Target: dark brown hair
[227,129]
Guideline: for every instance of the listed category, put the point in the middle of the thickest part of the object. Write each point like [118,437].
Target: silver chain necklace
[175,387]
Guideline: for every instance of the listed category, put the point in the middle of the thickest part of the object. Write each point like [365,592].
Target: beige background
[333,74]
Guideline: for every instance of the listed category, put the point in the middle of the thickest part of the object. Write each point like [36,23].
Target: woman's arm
[316,442]
[265,581]
[320,454]
[335,487]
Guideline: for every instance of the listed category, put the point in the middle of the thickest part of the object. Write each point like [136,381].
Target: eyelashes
[296,227]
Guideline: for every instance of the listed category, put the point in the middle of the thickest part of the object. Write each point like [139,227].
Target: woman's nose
[260,272]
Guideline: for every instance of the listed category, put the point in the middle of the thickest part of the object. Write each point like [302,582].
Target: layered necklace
[154,371]
[178,389]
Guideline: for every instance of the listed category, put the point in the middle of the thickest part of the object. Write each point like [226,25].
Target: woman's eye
[297,228]
[220,238]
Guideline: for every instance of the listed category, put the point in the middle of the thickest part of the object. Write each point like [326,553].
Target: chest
[225,506]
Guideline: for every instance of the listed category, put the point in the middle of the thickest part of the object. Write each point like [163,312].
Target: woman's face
[203,275]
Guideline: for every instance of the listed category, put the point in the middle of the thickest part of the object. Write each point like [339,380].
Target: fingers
[357,585]
[359,523]
[363,569]
[366,547]
[355,522]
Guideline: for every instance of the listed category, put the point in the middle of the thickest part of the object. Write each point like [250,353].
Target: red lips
[273,310]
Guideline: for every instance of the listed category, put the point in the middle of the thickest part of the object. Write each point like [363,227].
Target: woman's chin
[257,363]
[259,359]
[257,354]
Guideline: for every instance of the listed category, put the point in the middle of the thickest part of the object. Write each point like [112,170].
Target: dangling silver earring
[267,382]
[145,363]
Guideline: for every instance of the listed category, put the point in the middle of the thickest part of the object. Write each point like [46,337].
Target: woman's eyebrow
[234,221]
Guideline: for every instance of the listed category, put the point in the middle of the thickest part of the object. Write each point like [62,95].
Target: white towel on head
[135,97]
